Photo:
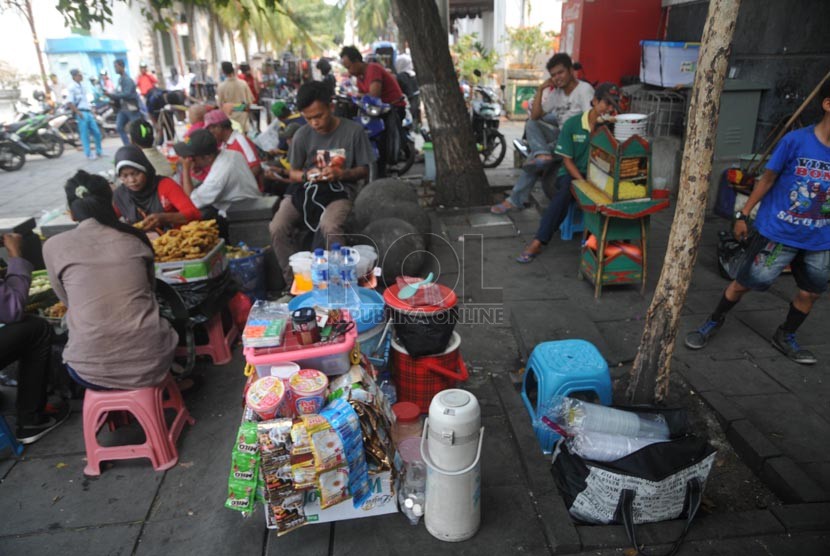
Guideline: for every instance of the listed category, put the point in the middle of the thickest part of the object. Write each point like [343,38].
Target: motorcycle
[106,116]
[12,151]
[369,113]
[486,114]
[64,124]
[37,136]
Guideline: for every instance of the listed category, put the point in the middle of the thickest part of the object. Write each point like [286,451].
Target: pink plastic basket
[330,358]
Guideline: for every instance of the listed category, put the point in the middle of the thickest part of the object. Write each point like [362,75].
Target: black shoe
[700,337]
[27,434]
[785,342]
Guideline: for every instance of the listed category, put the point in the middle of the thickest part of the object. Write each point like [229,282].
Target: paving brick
[725,409]
[113,540]
[790,482]
[211,532]
[737,377]
[751,444]
[804,517]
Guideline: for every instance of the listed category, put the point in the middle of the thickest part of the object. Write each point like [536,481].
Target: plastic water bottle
[337,291]
[388,389]
[348,272]
[320,277]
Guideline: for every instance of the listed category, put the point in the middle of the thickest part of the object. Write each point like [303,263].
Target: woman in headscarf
[154,202]
[409,85]
[103,272]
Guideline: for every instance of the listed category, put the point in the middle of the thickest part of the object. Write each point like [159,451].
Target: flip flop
[526,258]
[502,208]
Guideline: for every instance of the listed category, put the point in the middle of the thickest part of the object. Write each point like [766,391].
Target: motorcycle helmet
[39,96]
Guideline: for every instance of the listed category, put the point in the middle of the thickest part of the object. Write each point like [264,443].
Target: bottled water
[388,390]
[320,277]
[348,273]
[337,291]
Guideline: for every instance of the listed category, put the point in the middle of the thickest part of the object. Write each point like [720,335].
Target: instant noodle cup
[265,396]
[308,390]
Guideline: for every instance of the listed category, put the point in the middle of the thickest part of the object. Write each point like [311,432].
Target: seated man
[574,147]
[228,178]
[328,157]
[28,340]
[219,124]
[557,99]
[142,136]
[276,174]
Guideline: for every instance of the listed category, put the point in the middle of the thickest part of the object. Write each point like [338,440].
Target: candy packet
[327,449]
[334,487]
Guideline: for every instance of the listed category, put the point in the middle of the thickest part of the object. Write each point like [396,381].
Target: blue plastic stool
[561,368]
[572,223]
[8,439]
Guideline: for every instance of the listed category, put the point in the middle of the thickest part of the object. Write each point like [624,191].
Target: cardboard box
[383,500]
[210,266]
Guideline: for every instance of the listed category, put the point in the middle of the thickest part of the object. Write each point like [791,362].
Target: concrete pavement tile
[791,483]
[7,463]
[622,338]
[819,472]
[703,302]
[46,496]
[614,305]
[505,529]
[795,429]
[483,343]
[216,531]
[740,377]
[804,517]
[751,444]
[734,337]
[725,409]
[499,457]
[67,439]
[313,540]
[109,540]
[764,323]
[485,393]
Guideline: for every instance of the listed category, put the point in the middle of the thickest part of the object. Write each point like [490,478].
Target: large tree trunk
[31,20]
[460,175]
[154,39]
[190,14]
[650,373]
[213,21]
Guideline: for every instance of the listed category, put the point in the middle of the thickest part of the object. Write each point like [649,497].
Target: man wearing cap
[574,147]
[233,91]
[218,123]
[79,104]
[127,97]
[229,178]
[558,98]
[146,80]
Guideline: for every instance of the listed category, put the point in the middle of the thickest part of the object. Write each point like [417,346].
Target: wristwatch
[739,215]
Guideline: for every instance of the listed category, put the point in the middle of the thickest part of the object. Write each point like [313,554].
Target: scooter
[106,116]
[486,107]
[37,136]
[12,151]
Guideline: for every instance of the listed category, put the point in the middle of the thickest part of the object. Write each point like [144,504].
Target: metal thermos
[451,448]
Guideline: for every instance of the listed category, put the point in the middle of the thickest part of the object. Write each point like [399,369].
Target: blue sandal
[526,258]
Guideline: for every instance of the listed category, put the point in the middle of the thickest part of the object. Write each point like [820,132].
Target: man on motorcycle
[129,103]
[80,106]
[373,79]
[557,99]
[329,156]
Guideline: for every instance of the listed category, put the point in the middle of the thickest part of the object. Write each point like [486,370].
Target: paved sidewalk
[773,411]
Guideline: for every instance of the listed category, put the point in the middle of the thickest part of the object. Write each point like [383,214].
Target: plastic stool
[558,369]
[219,342]
[8,439]
[572,223]
[147,405]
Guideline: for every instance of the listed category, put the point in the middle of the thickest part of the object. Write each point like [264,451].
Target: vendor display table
[626,222]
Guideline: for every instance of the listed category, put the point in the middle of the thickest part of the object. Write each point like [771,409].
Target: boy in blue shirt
[793,228]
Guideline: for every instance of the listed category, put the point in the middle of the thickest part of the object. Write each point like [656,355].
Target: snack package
[244,467]
[246,439]
[240,496]
[334,487]
[346,423]
[244,474]
[275,453]
[327,449]
[287,516]
[303,472]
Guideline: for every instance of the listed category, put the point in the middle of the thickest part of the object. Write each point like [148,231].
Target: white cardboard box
[383,500]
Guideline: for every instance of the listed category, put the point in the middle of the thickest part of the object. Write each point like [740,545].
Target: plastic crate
[210,266]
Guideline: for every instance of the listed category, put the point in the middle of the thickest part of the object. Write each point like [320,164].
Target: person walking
[129,102]
[235,92]
[79,104]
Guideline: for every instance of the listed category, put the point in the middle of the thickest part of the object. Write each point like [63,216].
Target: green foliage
[470,55]
[528,42]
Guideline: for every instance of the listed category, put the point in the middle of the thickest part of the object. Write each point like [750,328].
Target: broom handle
[784,129]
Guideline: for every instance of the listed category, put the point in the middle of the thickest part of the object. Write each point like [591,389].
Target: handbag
[662,481]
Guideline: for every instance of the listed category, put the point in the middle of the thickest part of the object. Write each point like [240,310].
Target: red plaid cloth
[428,294]
[416,383]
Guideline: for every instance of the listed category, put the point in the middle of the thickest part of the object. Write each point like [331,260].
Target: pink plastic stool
[147,405]
[219,342]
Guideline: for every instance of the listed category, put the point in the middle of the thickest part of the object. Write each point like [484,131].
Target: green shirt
[574,142]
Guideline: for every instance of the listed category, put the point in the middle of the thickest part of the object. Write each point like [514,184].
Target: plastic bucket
[425,330]
[418,379]
[366,317]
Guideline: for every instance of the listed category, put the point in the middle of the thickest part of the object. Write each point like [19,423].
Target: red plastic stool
[219,342]
[147,405]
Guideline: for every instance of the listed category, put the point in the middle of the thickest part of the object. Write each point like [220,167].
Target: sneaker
[700,337]
[785,342]
[27,434]
[521,146]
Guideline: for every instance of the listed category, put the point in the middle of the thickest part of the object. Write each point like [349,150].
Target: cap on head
[608,92]
[200,143]
[215,117]
[74,72]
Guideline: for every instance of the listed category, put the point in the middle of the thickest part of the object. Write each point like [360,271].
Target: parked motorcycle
[64,124]
[12,151]
[486,115]
[37,135]
[106,116]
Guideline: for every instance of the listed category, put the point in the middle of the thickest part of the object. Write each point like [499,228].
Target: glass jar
[407,421]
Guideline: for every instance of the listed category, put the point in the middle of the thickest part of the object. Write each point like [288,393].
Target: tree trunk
[650,373]
[154,39]
[460,175]
[213,23]
[190,14]
[174,34]
[245,36]
[233,45]
[30,18]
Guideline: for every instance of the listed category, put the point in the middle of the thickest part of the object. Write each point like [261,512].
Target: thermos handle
[461,376]
[431,465]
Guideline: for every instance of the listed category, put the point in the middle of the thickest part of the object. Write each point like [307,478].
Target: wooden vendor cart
[617,202]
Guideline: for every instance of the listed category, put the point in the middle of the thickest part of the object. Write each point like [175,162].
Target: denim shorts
[765,259]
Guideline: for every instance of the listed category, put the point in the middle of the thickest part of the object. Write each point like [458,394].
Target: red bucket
[418,379]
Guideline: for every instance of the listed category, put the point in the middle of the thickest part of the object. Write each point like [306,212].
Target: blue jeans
[521,191]
[557,209]
[82,382]
[124,117]
[765,259]
[87,124]
[542,135]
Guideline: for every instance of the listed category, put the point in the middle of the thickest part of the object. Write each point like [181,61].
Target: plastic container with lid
[308,389]
[265,396]
[407,422]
